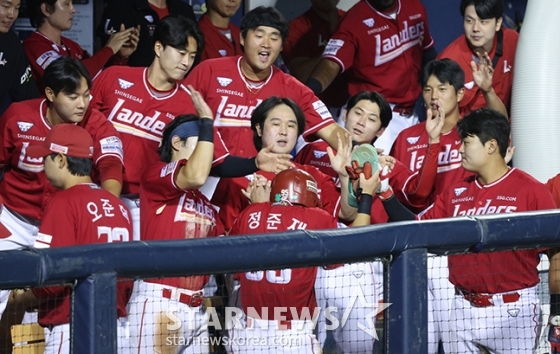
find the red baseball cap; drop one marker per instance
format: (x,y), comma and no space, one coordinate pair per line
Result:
(66,139)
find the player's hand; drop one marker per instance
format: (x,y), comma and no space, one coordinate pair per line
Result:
(434,121)
(387,161)
(118,39)
(131,44)
(272,162)
(342,157)
(483,73)
(509,153)
(202,108)
(370,185)
(554,339)
(261,193)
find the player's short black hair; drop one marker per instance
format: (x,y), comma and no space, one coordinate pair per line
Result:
(262,111)
(65,75)
(264,16)
(446,70)
(77,166)
(385,111)
(175,31)
(165,149)
(486,124)
(485,9)
(36,16)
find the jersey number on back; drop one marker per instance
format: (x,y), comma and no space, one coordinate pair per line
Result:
(117,234)
(272,276)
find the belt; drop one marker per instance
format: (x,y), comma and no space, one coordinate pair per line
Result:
(193,300)
(405,111)
(485,300)
(263,324)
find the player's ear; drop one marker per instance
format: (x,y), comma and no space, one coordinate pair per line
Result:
(258,128)
(379,132)
(460,94)
(492,147)
(241,39)
(158,48)
(176,143)
(45,9)
(49,94)
(498,23)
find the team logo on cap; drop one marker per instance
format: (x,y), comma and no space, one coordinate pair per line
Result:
(224,81)
(459,191)
(24,126)
(58,148)
(318,154)
(125,84)
(369,22)
(413,139)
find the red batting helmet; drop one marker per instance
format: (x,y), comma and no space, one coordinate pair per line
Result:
(295,186)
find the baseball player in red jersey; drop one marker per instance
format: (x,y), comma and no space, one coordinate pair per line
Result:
(495,307)
(234,86)
(51,18)
(484,34)
(443,87)
(294,204)
(25,124)
(278,122)
(173,208)
(302,50)
(221,36)
(82,213)
(397,33)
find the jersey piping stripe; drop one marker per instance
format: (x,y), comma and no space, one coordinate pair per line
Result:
(451,167)
(232,122)
(318,127)
(136,132)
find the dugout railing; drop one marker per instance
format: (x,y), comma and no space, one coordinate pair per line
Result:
(405,245)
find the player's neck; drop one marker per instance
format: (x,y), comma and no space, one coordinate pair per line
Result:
(72,180)
(53,117)
(158,80)
(492,171)
(218,20)
(253,75)
(52,33)
(451,121)
(159,3)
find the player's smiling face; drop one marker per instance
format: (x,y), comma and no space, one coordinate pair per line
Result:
(173,63)
(68,107)
(437,94)
(280,129)
(363,121)
(9,10)
(261,47)
(480,32)
(225,8)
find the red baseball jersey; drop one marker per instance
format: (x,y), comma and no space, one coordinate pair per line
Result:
(383,54)
(309,34)
(170,213)
(502,80)
(80,215)
(410,148)
(41,51)
(553,186)
(292,288)
(494,272)
(140,113)
(216,44)
(226,91)
(24,187)
(231,206)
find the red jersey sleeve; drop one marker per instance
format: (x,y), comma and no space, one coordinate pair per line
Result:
(160,184)
(553,186)
(328,193)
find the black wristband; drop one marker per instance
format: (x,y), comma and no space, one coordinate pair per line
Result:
(234,166)
(206,130)
(554,304)
(314,85)
(366,201)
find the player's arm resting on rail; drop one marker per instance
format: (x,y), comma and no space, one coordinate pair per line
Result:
(323,75)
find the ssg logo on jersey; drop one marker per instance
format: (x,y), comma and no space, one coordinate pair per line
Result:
(370,22)
(318,154)
(24,126)
(413,139)
(125,84)
(224,81)
(459,191)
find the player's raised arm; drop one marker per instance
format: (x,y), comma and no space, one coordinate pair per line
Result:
(483,74)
